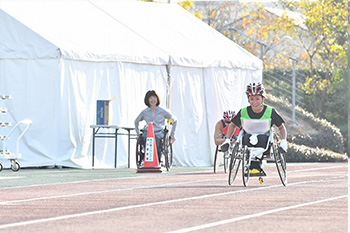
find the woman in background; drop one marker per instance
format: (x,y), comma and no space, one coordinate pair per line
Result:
(158,116)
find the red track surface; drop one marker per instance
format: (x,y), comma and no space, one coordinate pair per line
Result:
(315,200)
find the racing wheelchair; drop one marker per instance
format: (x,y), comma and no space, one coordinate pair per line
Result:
(226,157)
(164,150)
(243,155)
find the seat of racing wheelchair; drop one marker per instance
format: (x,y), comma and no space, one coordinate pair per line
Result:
(257,144)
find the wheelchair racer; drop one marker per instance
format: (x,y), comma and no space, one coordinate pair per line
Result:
(157,115)
(256,120)
(221,128)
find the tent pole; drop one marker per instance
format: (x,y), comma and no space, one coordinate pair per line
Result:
(209,144)
(168,84)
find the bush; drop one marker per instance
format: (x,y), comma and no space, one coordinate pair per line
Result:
(326,140)
(330,138)
(301,153)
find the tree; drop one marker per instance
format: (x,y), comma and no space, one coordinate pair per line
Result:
(187,5)
(276,32)
(220,15)
(251,26)
(325,35)
(325,42)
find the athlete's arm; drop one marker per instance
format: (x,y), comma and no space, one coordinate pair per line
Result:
(279,122)
(231,129)
(218,135)
(283,131)
(283,134)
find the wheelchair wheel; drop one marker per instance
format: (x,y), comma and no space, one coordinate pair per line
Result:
(15,166)
(245,166)
(215,159)
(226,161)
(168,152)
(234,164)
(170,155)
(280,164)
(140,154)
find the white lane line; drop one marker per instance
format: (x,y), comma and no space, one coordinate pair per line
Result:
(125,208)
(213,224)
(104,191)
(147,176)
(12,202)
(11,177)
(144,205)
(96,180)
(71,182)
(315,169)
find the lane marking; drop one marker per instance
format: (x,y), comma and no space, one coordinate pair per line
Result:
(314,169)
(147,176)
(150,204)
(104,191)
(96,180)
(213,224)
(11,177)
(71,182)
(125,189)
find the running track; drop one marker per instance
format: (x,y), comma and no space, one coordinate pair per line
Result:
(182,200)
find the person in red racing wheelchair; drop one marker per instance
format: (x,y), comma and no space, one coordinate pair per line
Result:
(221,128)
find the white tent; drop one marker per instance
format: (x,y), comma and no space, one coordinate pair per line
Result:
(58,57)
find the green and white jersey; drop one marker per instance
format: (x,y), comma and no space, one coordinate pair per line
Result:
(256,126)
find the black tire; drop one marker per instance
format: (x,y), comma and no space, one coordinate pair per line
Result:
(234,164)
(280,164)
(245,166)
(140,155)
(227,158)
(168,152)
(15,166)
(215,158)
(1,167)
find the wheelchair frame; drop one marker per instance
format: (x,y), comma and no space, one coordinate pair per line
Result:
(226,157)
(166,150)
(242,154)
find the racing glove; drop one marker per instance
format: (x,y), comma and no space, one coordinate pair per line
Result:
(234,137)
(225,145)
(284,145)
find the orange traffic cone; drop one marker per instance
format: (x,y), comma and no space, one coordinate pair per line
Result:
(151,163)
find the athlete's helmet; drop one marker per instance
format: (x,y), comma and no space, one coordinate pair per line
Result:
(255,89)
(229,115)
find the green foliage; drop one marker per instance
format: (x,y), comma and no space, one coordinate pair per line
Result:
(301,153)
(325,40)
(327,23)
(315,84)
(325,35)
(330,138)
(325,140)
(333,107)
(275,32)
(187,5)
